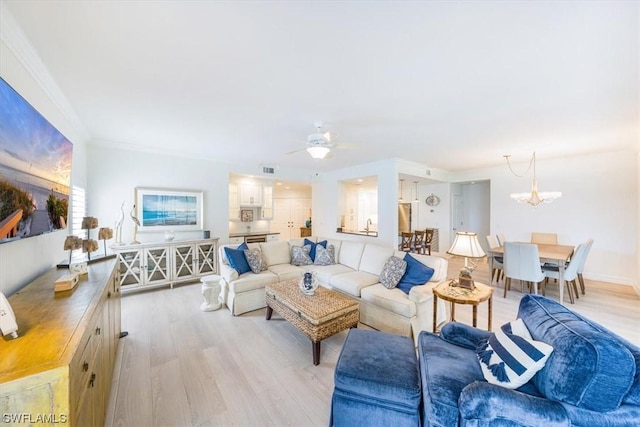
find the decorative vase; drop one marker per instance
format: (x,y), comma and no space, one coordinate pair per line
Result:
(308,283)
(308,223)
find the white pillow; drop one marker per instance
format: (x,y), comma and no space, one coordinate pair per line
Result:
(510,357)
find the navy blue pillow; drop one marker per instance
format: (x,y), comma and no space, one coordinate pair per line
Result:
(237,258)
(416,274)
(312,253)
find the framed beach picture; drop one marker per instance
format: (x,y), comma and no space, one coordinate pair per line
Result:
(163,210)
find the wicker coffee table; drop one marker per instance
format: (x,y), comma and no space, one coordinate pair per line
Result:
(318,316)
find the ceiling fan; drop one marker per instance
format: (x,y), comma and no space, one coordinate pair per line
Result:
(319,143)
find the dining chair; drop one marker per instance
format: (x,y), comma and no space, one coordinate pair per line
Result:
(501,239)
(418,241)
(570,272)
(544,238)
(588,245)
(522,262)
(428,238)
(405,241)
(498,261)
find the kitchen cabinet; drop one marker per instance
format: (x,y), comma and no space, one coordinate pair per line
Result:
(158,264)
(267,202)
(289,215)
(60,367)
(234,202)
(250,194)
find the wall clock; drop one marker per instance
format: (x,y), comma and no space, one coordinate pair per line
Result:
(433,200)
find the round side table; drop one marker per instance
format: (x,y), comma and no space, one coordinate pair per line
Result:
(211,292)
(458,295)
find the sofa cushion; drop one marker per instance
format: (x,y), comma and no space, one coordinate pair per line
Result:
(287,271)
(393,300)
(373,258)
(510,357)
(352,283)
(392,272)
(276,252)
(416,274)
(300,255)
(325,256)
(445,370)
(326,272)
(312,252)
(237,258)
(350,254)
(588,368)
(250,281)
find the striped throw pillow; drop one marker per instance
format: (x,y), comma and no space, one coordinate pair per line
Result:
(510,357)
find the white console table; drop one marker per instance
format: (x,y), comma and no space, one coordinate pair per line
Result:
(149,265)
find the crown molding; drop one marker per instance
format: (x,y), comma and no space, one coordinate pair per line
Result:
(17,42)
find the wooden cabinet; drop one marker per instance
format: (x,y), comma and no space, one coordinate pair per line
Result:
(267,202)
(250,194)
(158,264)
(59,369)
(234,202)
(305,231)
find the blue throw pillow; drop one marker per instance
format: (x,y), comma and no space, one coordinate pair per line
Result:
(237,258)
(312,254)
(416,274)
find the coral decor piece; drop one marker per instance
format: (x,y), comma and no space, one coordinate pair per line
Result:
(89,245)
(104,234)
(72,243)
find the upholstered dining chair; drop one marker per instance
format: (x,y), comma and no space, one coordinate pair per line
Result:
(498,261)
(501,239)
(428,238)
(544,238)
(588,245)
(418,241)
(406,239)
(522,262)
(570,272)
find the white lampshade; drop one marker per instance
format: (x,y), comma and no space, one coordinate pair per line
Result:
(318,152)
(466,244)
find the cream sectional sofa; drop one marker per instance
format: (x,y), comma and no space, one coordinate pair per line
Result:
(355,273)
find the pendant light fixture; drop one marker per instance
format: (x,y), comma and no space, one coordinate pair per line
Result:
(415,200)
(400,198)
(533,198)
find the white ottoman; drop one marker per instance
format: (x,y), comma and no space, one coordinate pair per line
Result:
(211,292)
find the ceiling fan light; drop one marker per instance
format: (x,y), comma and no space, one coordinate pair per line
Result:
(318,152)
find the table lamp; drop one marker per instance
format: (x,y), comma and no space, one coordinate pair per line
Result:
(466,244)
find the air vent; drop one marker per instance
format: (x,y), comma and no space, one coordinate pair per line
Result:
(268,169)
(428,172)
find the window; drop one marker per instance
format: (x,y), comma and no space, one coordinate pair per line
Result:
(79,211)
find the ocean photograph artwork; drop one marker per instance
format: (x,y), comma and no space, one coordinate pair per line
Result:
(35,170)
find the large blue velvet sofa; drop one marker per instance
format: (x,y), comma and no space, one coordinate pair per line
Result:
(591,378)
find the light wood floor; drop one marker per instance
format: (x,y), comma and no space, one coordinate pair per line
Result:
(180,366)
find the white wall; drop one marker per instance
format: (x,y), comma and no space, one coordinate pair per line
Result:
(22,261)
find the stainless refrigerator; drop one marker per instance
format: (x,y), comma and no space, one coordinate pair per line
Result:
(404,217)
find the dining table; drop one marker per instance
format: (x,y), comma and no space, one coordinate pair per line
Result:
(556,254)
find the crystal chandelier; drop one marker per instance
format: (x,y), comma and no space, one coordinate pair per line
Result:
(534,197)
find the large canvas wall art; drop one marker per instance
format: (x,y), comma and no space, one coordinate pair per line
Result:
(168,210)
(35,170)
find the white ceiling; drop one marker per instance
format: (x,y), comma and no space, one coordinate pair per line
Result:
(452,85)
